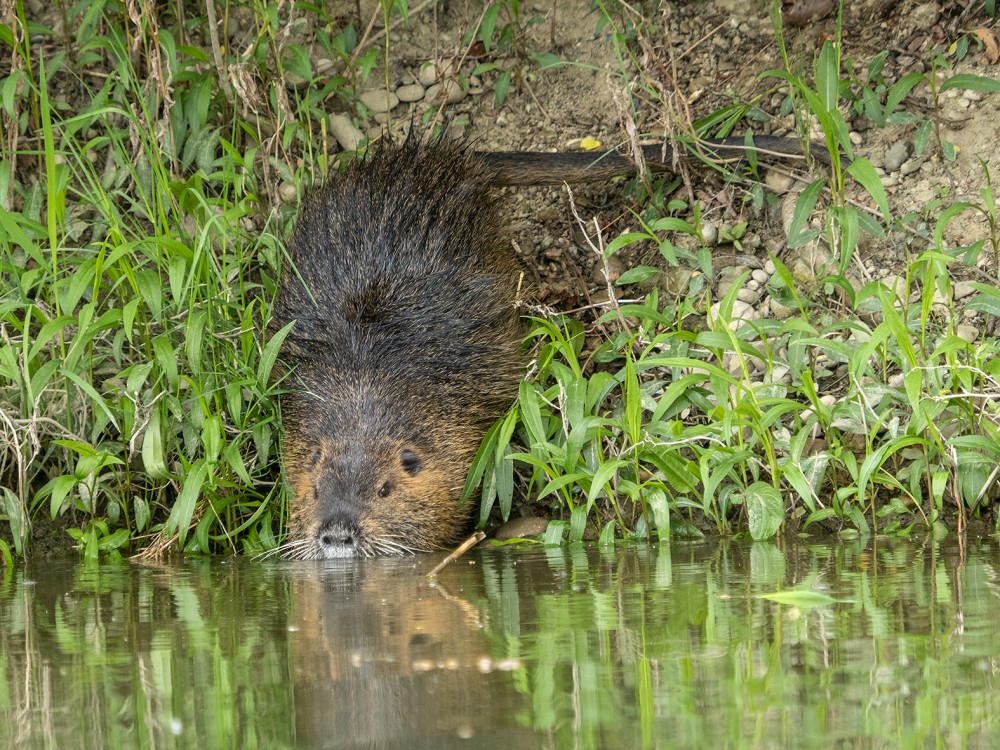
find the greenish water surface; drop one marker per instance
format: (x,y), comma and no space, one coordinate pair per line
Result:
(874,643)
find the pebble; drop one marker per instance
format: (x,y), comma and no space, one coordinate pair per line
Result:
(778,182)
(748,295)
(897,154)
(427,75)
(410,92)
(913,165)
(345,133)
(379,101)
(962,289)
(762,276)
(967,333)
(447,90)
(287,192)
(709,233)
(742,311)
(521,528)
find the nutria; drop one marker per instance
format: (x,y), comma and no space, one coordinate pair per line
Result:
(407,343)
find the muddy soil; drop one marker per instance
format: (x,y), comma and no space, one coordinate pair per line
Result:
(699,57)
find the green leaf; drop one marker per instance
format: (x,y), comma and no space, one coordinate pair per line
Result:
(971,82)
(765,509)
(501,87)
(863,171)
(803,208)
(800,599)
(181,514)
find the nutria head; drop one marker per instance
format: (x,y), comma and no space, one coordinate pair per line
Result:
(377,484)
(406,346)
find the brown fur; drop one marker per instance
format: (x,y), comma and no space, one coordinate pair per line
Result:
(406,347)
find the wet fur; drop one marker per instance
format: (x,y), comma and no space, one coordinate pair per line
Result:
(406,347)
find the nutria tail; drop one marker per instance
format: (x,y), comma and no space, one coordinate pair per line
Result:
(524,168)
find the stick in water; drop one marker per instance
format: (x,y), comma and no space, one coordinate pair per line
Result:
(464,547)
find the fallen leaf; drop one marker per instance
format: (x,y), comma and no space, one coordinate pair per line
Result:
(989,40)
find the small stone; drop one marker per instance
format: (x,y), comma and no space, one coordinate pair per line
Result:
(379,101)
(913,165)
(287,192)
(742,312)
(345,133)
(428,74)
(750,296)
(897,154)
(769,267)
(447,90)
(410,92)
(709,233)
(521,528)
(962,289)
(967,333)
(778,182)
(761,276)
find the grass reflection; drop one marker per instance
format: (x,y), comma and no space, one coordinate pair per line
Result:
(879,644)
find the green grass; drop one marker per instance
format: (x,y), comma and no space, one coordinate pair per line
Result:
(146,186)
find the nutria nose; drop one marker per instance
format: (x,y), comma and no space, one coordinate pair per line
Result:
(338,538)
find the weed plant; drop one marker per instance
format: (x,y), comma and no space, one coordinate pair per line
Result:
(151,165)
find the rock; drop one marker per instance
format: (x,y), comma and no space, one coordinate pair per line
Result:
(410,92)
(427,76)
(778,182)
(447,90)
(287,192)
(967,333)
(378,100)
(760,275)
(742,312)
(709,233)
(344,133)
(962,289)
(521,528)
(897,154)
(806,261)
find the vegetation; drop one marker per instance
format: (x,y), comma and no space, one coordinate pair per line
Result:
(150,168)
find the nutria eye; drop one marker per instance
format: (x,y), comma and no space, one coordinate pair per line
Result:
(384,490)
(411,463)
(315,457)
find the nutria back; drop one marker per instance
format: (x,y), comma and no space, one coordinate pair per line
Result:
(406,347)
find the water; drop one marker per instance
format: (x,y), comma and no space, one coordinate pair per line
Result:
(894,644)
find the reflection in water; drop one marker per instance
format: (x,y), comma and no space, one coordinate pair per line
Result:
(584,648)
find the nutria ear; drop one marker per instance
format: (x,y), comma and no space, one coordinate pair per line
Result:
(411,462)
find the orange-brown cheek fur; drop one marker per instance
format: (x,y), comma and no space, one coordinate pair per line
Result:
(421,512)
